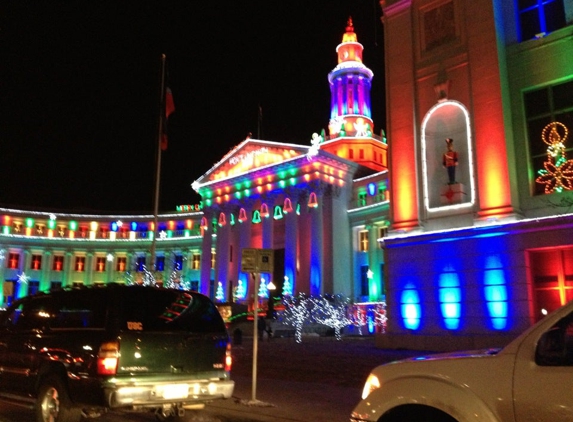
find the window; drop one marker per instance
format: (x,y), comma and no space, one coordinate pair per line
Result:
(363,241)
(121,263)
(80,264)
(542,107)
(36,262)
(213,259)
(552,275)
(351,154)
(540,17)
(100,264)
(364,284)
(160,263)
(194,285)
(13,261)
(439,26)
(361,154)
(178,262)
(55,285)
(362,199)
(58,263)
(196,264)
(382,232)
(140,263)
(33,287)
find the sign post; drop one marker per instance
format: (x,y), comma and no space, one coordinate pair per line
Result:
(255,261)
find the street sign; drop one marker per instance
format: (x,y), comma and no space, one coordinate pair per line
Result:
(249,260)
(257,260)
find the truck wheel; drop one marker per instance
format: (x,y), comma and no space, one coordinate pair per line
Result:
(53,403)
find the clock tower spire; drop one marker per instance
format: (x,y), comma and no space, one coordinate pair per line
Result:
(351,129)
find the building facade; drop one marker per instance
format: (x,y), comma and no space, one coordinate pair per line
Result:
(319,207)
(480,100)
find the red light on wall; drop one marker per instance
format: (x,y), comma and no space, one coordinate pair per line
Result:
(171,225)
(6,220)
(189,224)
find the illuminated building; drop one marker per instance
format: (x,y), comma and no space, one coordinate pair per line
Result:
(474,261)
(320,207)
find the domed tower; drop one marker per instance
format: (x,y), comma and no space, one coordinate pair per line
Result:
(351,129)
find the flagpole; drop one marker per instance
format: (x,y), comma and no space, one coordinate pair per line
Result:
(158,159)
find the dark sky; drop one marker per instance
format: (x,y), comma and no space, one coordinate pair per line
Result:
(79,83)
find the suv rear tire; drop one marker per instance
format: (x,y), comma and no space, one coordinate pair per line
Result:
(53,403)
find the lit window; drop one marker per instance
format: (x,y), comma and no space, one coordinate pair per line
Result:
(542,107)
(196,264)
(121,263)
(36,262)
(540,17)
(140,263)
(363,241)
(213,259)
(13,261)
(361,199)
(58,263)
(178,262)
(160,263)
(100,264)
(80,263)
(552,275)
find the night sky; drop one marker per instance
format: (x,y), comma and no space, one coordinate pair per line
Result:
(79,84)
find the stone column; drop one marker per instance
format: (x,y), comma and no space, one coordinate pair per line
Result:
(316,245)
(46,271)
(291,243)
(206,246)
(89,269)
(222,250)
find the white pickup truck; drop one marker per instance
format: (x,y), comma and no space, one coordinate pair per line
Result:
(531,379)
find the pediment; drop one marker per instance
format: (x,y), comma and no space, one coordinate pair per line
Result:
(250,155)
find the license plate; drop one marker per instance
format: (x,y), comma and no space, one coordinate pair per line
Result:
(176,391)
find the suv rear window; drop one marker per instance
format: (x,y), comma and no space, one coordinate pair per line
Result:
(153,309)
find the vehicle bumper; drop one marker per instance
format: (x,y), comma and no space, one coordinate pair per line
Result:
(159,393)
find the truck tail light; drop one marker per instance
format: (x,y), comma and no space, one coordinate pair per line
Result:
(107,358)
(228,358)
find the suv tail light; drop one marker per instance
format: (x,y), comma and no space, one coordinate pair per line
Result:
(107,358)
(228,358)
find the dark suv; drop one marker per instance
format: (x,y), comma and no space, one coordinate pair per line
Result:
(79,352)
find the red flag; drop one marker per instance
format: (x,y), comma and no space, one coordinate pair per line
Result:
(169,107)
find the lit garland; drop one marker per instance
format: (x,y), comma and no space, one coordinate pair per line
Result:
(557,173)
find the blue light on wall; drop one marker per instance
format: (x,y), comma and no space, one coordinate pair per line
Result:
(495,292)
(133,226)
(450,298)
(410,307)
(372,189)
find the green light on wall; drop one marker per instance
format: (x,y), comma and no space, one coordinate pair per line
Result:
(5,230)
(187,233)
(247,192)
(292,181)
(281,174)
(208,202)
(282,184)
(151,234)
(29,222)
(52,224)
(238,195)
(73,225)
(292,171)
